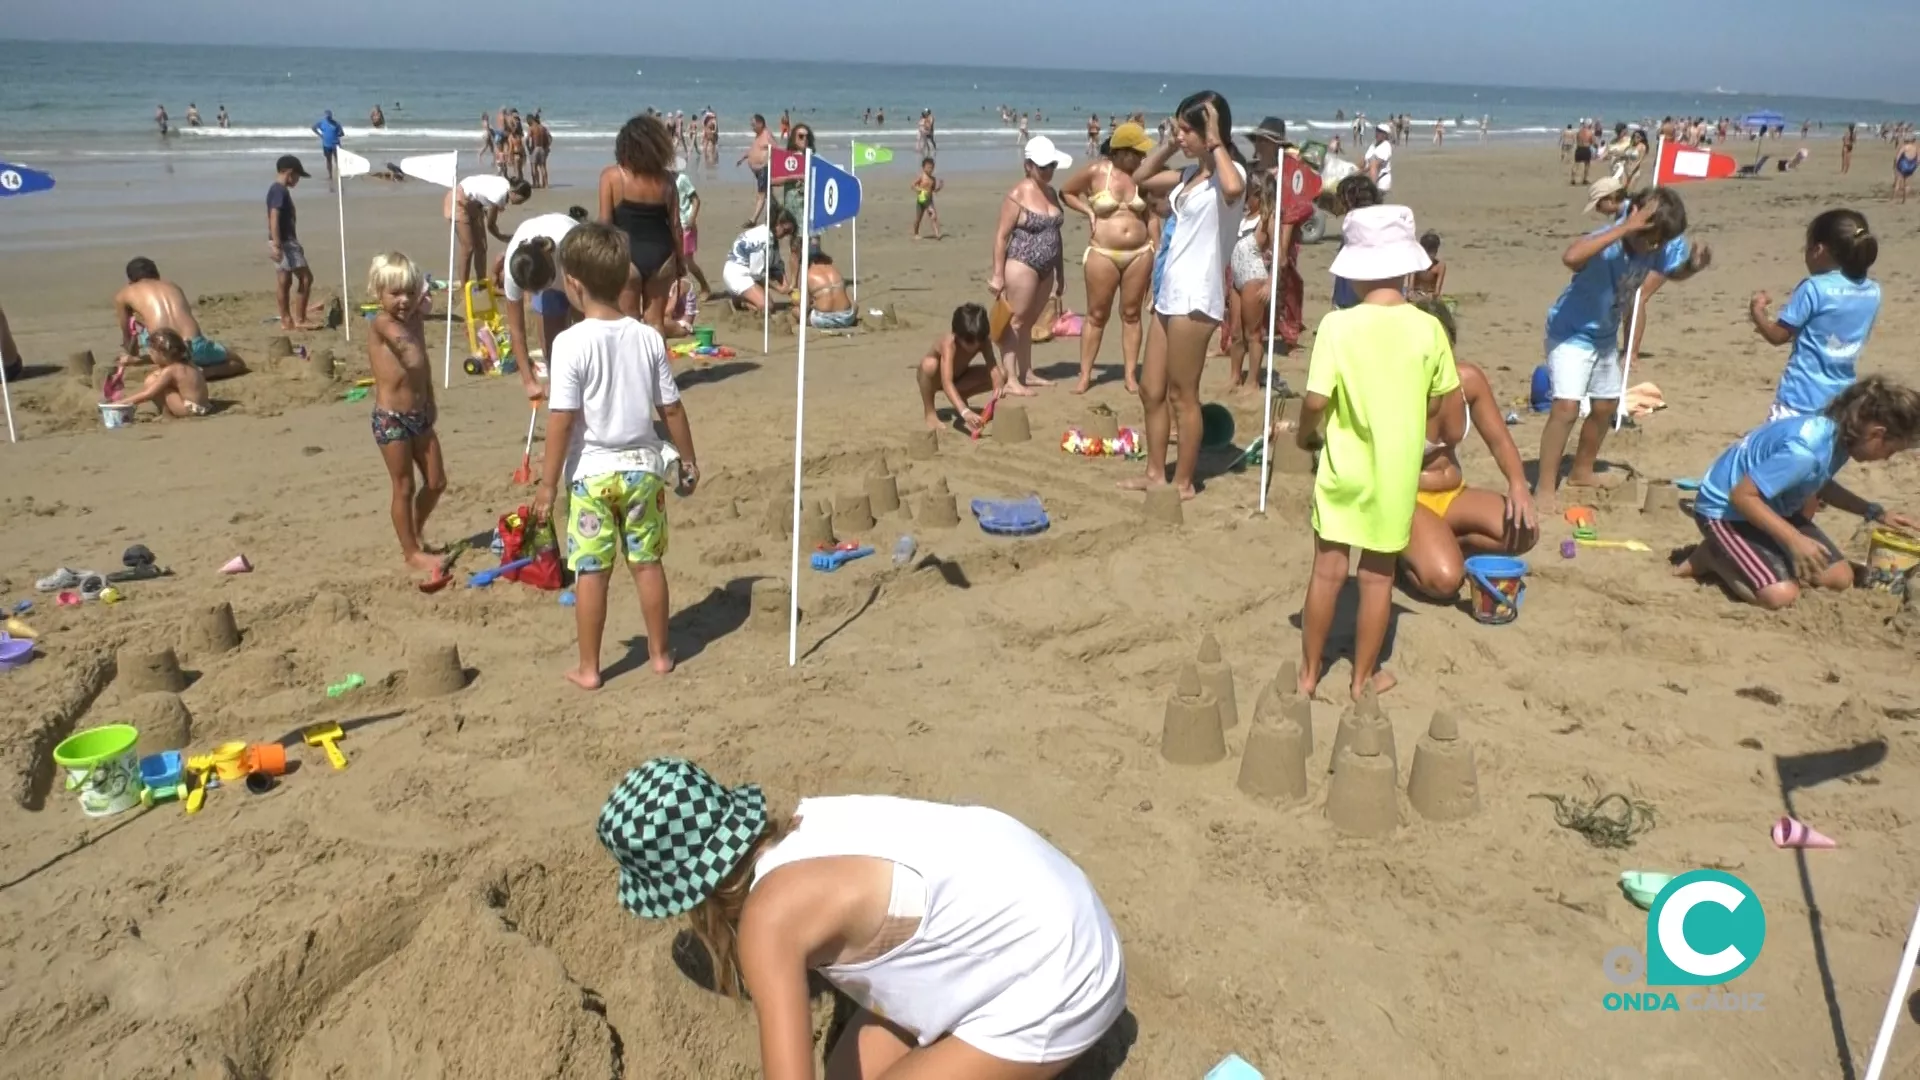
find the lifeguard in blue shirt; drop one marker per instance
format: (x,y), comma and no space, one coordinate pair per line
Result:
(330,133)
(1829,317)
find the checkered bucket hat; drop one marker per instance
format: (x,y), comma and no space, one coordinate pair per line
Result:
(677,833)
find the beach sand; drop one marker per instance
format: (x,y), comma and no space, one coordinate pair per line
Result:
(441,907)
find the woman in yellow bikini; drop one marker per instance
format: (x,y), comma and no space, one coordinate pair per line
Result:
(1452,520)
(1118,260)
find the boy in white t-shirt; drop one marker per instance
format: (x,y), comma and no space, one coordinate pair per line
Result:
(607,378)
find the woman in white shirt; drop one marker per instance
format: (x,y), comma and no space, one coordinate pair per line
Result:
(754,253)
(1190,278)
(975,949)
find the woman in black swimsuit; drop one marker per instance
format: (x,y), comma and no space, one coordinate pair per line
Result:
(637,196)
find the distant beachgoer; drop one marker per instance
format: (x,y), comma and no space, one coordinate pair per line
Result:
(193,115)
(689,198)
(1904,167)
(474,207)
(1439,134)
(516,166)
(786,125)
(403,406)
(1118,262)
(1379,160)
(176,387)
(639,196)
(928,145)
(376,118)
(330,133)
(1093,136)
(1566,143)
(755,159)
(539,146)
(925,187)
(879,118)
(1026,258)
(948,368)
(753,270)
(283,244)
(828,305)
(221,117)
(488,142)
(1846,150)
(149,303)
(1270,147)
(1582,156)
(793,193)
(1428,283)
(160,117)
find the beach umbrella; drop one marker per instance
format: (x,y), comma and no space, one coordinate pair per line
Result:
(347,163)
(1763,118)
(442,169)
(18,180)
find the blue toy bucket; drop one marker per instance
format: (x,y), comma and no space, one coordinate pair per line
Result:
(1498,584)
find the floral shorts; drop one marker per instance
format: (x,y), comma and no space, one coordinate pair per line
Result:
(615,509)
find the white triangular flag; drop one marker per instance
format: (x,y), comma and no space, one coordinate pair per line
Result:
(349,163)
(442,169)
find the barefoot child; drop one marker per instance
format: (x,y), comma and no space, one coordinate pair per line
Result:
(403,410)
(1433,280)
(1829,317)
(924,186)
(1381,370)
(974,948)
(1756,538)
(175,387)
(948,367)
(609,376)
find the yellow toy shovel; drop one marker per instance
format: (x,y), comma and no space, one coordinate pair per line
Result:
(1630,545)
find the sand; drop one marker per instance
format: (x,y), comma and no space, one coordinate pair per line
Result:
(441,907)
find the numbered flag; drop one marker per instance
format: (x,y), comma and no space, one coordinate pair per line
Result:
(442,169)
(787,165)
(1679,164)
(20,180)
(1299,186)
(869,154)
(836,195)
(351,164)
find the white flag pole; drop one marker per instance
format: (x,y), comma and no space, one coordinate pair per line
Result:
(799,414)
(446,364)
(346,311)
(1903,978)
(1273,308)
(7,394)
(853,166)
(766,283)
(1633,321)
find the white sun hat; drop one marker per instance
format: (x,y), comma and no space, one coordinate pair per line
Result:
(1042,152)
(1380,243)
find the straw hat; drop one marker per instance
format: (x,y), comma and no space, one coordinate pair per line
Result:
(1381,243)
(1604,188)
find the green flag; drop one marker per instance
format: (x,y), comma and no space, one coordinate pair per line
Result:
(869,154)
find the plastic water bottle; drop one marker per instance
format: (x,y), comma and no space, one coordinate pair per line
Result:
(903,550)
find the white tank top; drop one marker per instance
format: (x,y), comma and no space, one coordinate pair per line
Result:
(1193,276)
(1010,925)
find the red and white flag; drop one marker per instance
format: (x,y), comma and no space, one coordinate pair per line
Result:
(1680,164)
(787,165)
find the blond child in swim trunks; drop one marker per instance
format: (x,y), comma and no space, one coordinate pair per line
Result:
(608,378)
(948,367)
(924,187)
(175,387)
(403,409)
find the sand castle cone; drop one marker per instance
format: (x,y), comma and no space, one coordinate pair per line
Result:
(1793,833)
(162,720)
(769,606)
(320,364)
(1191,734)
(1444,785)
(816,529)
(328,610)
(1217,676)
(852,515)
(280,348)
(1661,497)
(80,365)
(1287,455)
(436,671)
(213,630)
(237,565)
(139,671)
(1363,714)
(778,518)
(1010,424)
(923,445)
(938,508)
(1274,765)
(883,490)
(1362,799)
(1163,506)
(1103,425)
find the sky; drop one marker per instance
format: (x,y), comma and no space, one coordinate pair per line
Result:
(1853,48)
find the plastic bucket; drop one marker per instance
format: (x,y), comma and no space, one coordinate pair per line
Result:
(1890,557)
(230,761)
(102,767)
(703,337)
(268,758)
(1216,426)
(1497,583)
(115,415)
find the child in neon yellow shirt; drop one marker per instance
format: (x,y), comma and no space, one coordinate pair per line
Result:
(1380,370)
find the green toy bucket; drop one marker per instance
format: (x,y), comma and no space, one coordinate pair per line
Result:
(102,766)
(703,337)
(1216,426)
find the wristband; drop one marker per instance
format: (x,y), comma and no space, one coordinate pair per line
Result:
(1875,512)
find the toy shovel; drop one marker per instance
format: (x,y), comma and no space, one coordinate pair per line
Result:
(327,736)
(1630,545)
(524,474)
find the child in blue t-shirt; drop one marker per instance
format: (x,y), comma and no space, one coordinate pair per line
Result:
(1583,328)
(1757,539)
(1828,318)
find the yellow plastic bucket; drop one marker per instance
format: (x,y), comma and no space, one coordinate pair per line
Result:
(1890,557)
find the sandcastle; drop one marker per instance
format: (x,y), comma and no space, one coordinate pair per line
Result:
(80,365)
(142,672)
(1287,455)
(769,605)
(1659,497)
(816,527)
(435,671)
(1191,734)
(1217,676)
(1164,505)
(852,515)
(1363,798)
(883,490)
(1010,424)
(923,445)
(280,348)
(1445,786)
(213,630)
(162,719)
(320,365)
(1274,765)
(1102,424)
(938,508)
(777,519)
(1364,715)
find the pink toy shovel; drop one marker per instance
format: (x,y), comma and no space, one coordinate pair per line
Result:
(1791,833)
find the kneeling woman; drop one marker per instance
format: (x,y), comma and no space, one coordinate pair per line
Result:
(754,257)
(974,948)
(1451,520)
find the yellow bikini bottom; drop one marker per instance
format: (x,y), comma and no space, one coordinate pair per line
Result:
(1121,258)
(1438,501)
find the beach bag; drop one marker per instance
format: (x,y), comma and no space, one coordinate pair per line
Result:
(520,538)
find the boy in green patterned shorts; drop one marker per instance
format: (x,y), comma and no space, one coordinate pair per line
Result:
(608,377)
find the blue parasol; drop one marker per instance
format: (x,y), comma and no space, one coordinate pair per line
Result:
(1764,118)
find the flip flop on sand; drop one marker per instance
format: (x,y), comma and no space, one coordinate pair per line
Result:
(57,581)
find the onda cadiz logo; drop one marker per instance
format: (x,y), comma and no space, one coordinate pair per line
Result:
(1704,929)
